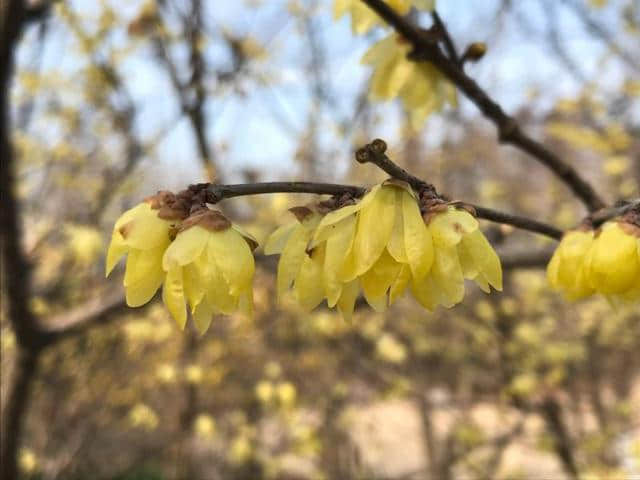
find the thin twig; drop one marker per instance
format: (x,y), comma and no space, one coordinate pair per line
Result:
(425,48)
(449,46)
(220,192)
(523,223)
(217,193)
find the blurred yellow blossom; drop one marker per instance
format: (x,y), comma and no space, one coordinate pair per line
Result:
(143,416)
(363,18)
(420,86)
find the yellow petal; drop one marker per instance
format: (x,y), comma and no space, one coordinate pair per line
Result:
(245,303)
(141,228)
(417,238)
(233,257)
(186,247)
(203,316)
(396,242)
(337,247)
(447,228)
(428,293)
(347,300)
(194,285)
(173,296)
(139,293)
(377,280)
(308,288)
(143,264)
(323,231)
(399,284)
(447,274)
(278,239)
(613,261)
(116,250)
(293,255)
(484,257)
(375,223)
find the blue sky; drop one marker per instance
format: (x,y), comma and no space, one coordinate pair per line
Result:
(260,129)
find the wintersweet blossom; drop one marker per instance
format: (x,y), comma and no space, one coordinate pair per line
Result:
(210,267)
(143,233)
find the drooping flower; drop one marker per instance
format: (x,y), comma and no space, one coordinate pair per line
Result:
(422,88)
(210,267)
(373,245)
(567,271)
(460,251)
(143,233)
(363,18)
(613,261)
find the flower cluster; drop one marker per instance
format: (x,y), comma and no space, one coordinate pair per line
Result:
(364,19)
(383,245)
(605,261)
(420,86)
(200,258)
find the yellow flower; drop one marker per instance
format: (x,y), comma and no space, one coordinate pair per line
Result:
(613,262)
(143,233)
(566,271)
(421,86)
(210,266)
(363,18)
(375,244)
(460,251)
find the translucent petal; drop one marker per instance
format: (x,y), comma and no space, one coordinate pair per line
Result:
(340,7)
(233,257)
(173,296)
(186,247)
(278,239)
(323,231)
(139,293)
(377,280)
(399,284)
(117,249)
(292,257)
(613,260)
(447,228)
(245,303)
(142,264)
(447,274)
(141,228)
(484,257)
(250,239)
(417,238)
(375,223)
(203,316)
(396,242)
(217,294)
(428,293)
(347,300)
(338,246)
(381,51)
(194,285)
(307,288)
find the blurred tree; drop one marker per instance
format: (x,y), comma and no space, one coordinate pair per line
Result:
(106,102)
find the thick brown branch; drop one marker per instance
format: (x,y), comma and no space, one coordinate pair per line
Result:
(425,48)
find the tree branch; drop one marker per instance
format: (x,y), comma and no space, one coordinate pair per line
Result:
(425,48)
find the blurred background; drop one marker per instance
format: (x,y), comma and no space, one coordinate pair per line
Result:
(113,100)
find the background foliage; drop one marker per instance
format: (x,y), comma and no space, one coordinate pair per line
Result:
(113,100)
